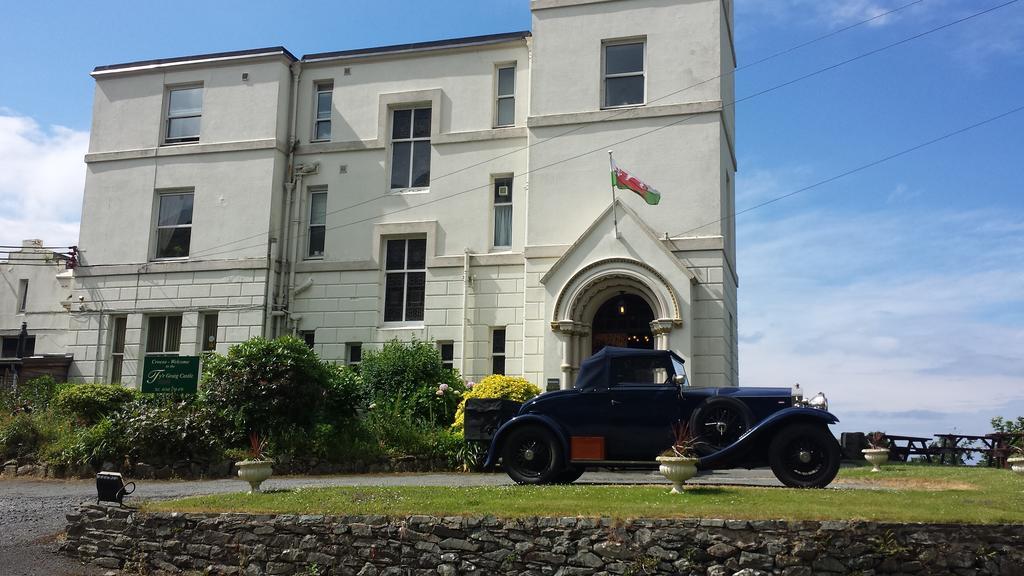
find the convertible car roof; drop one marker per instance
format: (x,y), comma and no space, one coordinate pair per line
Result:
(593,369)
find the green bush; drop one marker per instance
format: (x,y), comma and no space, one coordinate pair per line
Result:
(269,386)
(399,434)
(89,403)
(35,392)
(102,442)
(160,430)
(496,386)
(408,378)
(20,436)
(341,395)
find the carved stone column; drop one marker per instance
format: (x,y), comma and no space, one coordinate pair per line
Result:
(661,329)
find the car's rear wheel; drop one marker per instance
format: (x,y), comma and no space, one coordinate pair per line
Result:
(532,455)
(718,423)
(570,475)
(804,456)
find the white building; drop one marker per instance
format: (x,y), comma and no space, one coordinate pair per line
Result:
(35,287)
(456,191)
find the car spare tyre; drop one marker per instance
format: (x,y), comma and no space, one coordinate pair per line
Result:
(532,455)
(804,456)
(717,423)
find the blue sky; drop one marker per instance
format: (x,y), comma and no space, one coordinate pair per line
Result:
(899,291)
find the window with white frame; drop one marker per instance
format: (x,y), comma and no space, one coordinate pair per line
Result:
(354,353)
(322,117)
(317,223)
(184,114)
(505,96)
(410,148)
(498,351)
(23,295)
(503,212)
(405,279)
(163,335)
(447,350)
(120,328)
(174,225)
(623,73)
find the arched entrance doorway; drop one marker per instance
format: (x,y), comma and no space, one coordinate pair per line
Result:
(623,320)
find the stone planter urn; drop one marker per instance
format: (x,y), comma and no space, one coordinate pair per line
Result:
(1016,463)
(877,457)
(677,470)
(255,472)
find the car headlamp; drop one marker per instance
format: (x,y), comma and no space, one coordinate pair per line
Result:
(819,401)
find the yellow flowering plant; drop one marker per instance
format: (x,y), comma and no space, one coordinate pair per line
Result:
(495,386)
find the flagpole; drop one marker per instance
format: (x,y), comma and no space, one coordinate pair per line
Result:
(615,217)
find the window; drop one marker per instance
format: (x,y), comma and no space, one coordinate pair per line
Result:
(209,332)
(22,294)
(317,224)
(503,212)
(410,148)
(184,113)
(642,371)
(163,335)
(623,74)
(309,337)
(447,350)
(10,347)
(322,119)
(505,106)
(498,351)
(174,225)
(405,280)
(117,349)
(354,355)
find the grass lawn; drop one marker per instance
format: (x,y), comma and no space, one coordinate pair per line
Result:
(907,493)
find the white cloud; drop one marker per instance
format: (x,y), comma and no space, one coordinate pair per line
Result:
(886,312)
(41,180)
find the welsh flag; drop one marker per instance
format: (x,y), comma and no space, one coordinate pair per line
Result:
(626,181)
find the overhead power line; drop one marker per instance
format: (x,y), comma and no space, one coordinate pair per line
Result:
(860,168)
(614,115)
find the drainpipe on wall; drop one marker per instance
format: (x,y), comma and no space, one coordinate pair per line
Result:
(466,283)
(289,187)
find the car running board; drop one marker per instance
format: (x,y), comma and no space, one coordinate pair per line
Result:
(614,462)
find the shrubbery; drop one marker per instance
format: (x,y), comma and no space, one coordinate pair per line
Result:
(267,385)
(400,403)
(496,386)
(88,403)
(408,378)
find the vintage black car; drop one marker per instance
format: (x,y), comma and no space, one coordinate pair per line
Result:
(621,412)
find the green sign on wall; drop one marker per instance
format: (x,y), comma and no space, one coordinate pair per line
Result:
(170,374)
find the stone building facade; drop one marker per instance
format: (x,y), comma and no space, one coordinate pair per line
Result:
(455,191)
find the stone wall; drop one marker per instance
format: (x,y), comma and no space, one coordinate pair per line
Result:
(375,545)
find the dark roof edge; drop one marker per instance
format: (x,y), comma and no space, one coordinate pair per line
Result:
(212,56)
(416,46)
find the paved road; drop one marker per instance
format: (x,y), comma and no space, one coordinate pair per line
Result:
(32,511)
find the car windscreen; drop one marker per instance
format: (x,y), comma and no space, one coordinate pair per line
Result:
(642,371)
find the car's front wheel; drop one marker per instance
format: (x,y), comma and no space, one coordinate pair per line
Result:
(532,455)
(804,456)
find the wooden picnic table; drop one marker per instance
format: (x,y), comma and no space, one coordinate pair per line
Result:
(995,447)
(1003,445)
(912,445)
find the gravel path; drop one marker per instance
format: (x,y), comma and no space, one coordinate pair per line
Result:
(32,510)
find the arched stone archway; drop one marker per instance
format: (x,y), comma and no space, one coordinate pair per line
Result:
(592,287)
